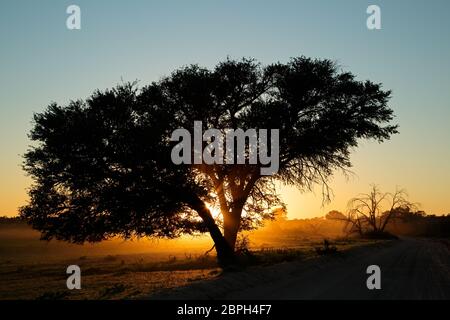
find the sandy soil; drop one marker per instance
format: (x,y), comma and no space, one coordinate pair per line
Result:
(410,269)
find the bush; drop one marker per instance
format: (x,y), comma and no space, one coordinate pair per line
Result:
(326,248)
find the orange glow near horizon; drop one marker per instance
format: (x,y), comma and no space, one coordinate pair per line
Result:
(368,170)
(299,204)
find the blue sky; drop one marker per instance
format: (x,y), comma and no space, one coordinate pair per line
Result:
(42,61)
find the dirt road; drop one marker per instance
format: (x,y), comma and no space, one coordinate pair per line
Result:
(410,269)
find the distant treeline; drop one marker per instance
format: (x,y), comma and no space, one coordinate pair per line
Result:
(11,220)
(404,223)
(420,224)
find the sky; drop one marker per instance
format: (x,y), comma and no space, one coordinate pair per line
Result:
(42,61)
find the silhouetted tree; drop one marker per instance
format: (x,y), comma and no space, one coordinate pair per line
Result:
(102,167)
(371,212)
(335,215)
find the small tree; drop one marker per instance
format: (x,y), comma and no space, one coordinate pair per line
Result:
(102,167)
(371,212)
(335,215)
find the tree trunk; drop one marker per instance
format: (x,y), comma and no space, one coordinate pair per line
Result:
(231,224)
(225,253)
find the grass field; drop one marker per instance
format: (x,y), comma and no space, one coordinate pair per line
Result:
(116,269)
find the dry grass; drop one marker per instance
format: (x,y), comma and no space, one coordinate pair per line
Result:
(30,269)
(102,278)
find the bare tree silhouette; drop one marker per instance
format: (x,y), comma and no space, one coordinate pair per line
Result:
(371,212)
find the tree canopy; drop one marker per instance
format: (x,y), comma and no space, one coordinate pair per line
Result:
(102,166)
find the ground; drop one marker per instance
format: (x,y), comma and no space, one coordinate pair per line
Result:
(282,266)
(33,269)
(410,269)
